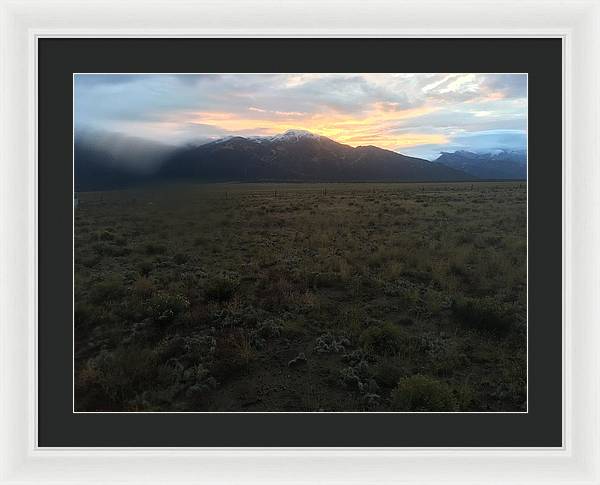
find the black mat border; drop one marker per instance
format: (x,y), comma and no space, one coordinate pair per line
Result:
(59,58)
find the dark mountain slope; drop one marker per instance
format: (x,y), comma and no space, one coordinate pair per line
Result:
(502,164)
(299,156)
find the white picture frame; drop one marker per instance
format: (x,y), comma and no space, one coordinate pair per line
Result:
(576,22)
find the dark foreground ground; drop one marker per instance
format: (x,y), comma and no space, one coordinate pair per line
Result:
(302,297)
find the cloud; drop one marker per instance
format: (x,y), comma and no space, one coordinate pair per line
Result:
(132,153)
(470,87)
(509,85)
(400,111)
(491,140)
(478,141)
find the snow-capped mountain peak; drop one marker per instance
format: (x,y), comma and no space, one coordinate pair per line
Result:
(288,136)
(294,135)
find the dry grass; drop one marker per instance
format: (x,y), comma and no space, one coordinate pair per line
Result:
(441,267)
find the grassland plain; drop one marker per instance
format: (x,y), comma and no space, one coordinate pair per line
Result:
(302,297)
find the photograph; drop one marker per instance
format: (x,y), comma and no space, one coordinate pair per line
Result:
(300,242)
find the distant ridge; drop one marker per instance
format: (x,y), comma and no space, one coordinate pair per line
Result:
(499,164)
(294,156)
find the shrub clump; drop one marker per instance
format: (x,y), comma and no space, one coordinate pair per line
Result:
(166,307)
(422,393)
(328,343)
(221,288)
(356,377)
(484,314)
(201,383)
(385,339)
(387,375)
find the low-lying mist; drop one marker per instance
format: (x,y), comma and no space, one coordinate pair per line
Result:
(126,153)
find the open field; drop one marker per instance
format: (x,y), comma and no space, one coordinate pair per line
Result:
(302,297)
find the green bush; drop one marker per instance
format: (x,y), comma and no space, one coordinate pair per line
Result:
(221,288)
(166,307)
(385,339)
(422,393)
(484,314)
(387,375)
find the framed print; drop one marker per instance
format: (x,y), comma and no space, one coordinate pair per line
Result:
(316,249)
(250,253)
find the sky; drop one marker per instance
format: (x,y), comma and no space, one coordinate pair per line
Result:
(415,114)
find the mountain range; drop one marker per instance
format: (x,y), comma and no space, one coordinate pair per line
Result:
(499,164)
(294,156)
